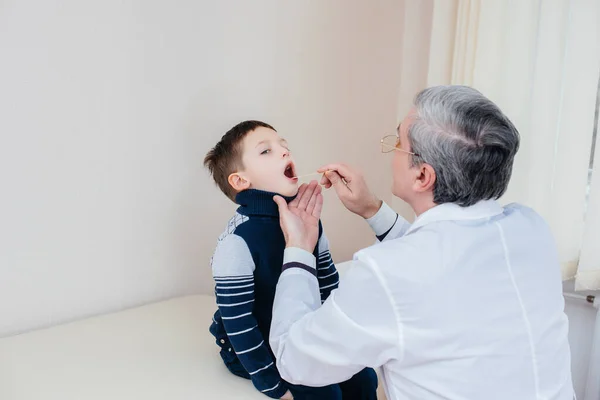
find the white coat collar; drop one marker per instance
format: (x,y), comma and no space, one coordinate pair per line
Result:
(453,212)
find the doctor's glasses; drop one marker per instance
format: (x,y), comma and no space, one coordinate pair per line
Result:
(390,143)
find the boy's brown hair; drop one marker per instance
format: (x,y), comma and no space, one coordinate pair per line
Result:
(226,157)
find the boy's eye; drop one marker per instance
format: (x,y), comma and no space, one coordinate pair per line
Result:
(267,151)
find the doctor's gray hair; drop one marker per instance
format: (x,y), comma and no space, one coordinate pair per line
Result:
(467,140)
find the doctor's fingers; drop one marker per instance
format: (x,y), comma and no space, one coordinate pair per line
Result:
(312,203)
(307,195)
(346,172)
(301,190)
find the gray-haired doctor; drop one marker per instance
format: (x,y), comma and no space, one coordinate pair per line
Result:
(465,303)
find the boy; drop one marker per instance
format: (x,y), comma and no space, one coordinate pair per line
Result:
(250,165)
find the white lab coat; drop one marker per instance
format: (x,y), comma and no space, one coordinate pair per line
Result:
(466,303)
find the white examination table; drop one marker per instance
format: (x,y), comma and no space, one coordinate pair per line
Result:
(158,351)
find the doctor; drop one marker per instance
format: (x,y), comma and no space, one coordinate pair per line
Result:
(465,303)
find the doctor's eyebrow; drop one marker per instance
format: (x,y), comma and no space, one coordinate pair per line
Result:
(398,134)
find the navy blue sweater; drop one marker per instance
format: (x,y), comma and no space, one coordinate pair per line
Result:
(246,267)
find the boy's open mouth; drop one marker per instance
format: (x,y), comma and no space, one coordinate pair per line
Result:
(290,172)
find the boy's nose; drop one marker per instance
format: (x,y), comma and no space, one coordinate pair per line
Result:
(286,153)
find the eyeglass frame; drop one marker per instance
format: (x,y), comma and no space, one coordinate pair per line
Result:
(392,148)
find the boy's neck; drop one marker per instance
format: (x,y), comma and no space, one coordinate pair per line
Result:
(258,202)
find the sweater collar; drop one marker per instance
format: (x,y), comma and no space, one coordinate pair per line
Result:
(258,202)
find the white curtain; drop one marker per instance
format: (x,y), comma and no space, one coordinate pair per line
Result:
(540,62)
(588,274)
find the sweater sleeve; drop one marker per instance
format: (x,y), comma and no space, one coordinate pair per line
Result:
(326,272)
(233,271)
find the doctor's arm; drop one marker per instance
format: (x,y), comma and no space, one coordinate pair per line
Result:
(316,344)
(388,224)
(352,190)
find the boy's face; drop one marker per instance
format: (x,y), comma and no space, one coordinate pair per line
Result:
(268,164)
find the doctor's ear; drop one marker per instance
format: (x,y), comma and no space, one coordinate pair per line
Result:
(238,182)
(425,178)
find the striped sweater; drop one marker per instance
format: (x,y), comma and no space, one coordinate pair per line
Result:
(246,266)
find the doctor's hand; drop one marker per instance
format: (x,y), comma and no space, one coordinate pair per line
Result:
(299,220)
(351,189)
(287,396)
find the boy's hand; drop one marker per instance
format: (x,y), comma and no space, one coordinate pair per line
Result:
(299,220)
(287,396)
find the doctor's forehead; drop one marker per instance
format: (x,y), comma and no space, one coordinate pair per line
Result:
(408,120)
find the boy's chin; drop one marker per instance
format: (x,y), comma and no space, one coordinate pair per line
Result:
(289,190)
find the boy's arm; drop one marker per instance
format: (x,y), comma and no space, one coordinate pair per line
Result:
(326,272)
(233,271)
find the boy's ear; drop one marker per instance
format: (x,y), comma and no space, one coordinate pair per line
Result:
(238,182)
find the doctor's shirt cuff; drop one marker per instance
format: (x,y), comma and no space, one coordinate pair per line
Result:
(294,257)
(384,220)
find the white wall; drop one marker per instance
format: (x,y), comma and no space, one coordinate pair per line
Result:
(108,107)
(585,345)
(581,331)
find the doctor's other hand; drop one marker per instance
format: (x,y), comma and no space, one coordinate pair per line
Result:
(299,219)
(351,188)
(287,396)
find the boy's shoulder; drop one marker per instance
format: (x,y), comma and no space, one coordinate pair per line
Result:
(232,225)
(250,230)
(231,256)
(244,230)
